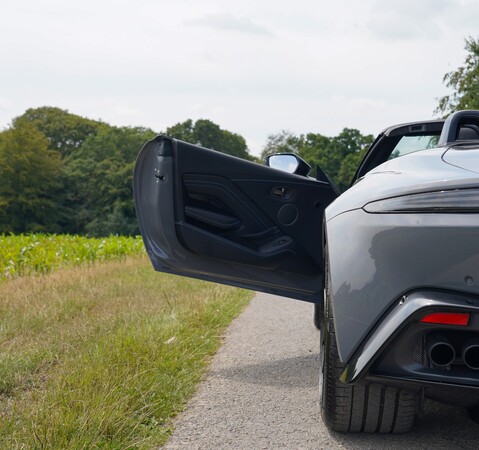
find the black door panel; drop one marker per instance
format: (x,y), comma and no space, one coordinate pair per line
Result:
(269,255)
(208,215)
(219,195)
(308,198)
(211,218)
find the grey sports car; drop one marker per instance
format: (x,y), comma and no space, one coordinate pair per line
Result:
(392,264)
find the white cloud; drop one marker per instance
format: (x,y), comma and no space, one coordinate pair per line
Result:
(228,22)
(4,104)
(465,14)
(407,19)
(252,67)
(363,105)
(126,112)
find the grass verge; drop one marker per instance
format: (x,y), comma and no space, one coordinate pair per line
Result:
(104,356)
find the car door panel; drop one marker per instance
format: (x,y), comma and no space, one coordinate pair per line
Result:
(208,215)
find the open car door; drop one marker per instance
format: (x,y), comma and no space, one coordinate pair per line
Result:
(208,215)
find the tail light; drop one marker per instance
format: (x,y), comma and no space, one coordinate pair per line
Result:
(452,201)
(447,318)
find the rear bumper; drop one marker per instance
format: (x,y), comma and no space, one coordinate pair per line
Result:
(375,259)
(393,350)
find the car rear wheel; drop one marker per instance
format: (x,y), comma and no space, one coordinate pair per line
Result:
(362,407)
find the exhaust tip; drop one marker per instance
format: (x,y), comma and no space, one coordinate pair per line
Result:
(440,351)
(470,355)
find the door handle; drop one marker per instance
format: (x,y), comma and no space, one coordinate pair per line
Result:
(281,192)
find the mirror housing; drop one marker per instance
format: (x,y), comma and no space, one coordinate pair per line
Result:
(288,162)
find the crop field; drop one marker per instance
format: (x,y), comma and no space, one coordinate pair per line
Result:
(36,253)
(101,355)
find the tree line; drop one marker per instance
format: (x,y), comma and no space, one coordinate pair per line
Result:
(62,173)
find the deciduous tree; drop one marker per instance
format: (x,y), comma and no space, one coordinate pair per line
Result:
(65,132)
(283,142)
(100,175)
(208,134)
(338,156)
(464,81)
(30,182)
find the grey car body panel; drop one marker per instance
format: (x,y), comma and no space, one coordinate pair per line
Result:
(424,171)
(376,258)
(383,256)
(463,157)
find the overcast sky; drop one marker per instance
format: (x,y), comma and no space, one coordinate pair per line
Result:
(253,67)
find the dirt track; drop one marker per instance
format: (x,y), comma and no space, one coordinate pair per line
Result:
(262,393)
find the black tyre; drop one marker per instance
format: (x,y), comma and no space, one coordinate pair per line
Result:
(318,315)
(362,407)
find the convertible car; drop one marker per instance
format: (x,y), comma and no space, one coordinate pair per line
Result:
(391,265)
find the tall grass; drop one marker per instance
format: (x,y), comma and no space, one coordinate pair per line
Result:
(38,253)
(104,356)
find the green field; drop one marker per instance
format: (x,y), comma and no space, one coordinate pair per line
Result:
(39,253)
(104,355)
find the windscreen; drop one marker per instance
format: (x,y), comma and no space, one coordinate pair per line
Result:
(411,144)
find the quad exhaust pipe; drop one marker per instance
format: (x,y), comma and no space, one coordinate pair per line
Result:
(441,353)
(440,350)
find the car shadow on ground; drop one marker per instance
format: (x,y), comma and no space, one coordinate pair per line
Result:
(296,372)
(441,426)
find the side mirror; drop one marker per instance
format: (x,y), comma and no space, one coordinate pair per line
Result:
(288,162)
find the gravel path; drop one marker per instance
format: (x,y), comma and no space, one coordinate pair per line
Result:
(262,393)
